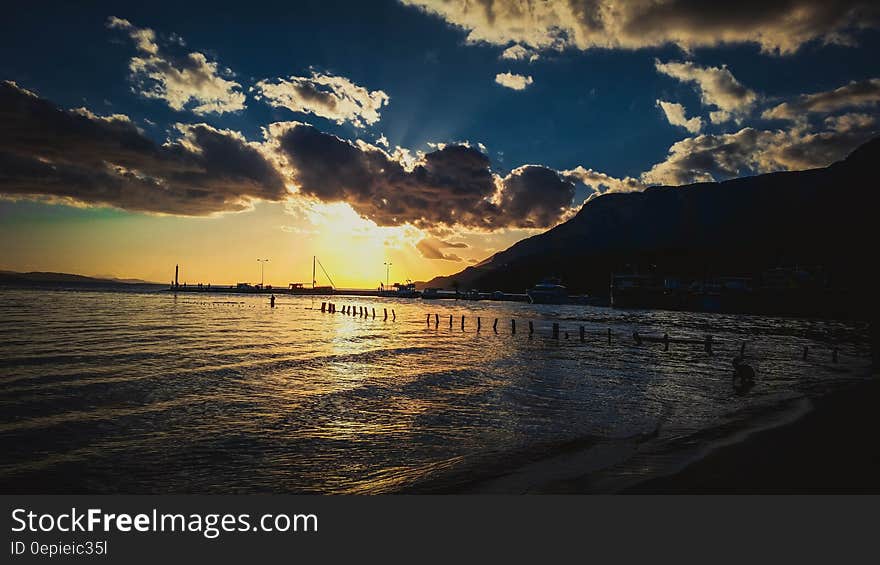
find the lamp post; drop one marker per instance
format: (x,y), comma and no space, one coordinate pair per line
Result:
(262,263)
(387,272)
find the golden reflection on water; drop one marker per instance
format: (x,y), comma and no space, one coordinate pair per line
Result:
(152,392)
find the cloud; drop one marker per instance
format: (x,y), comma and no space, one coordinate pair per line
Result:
(856,94)
(533,196)
(513,81)
(144,38)
(851,122)
(333,97)
(716,85)
(451,185)
(74,156)
(707,158)
(183,82)
(601,183)
(520,53)
(777,27)
(675,114)
(432,249)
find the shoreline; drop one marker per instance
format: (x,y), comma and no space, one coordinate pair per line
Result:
(807,445)
(831,449)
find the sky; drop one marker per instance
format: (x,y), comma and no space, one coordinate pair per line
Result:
(428,134)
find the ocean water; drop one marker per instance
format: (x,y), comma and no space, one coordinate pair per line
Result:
(144,391)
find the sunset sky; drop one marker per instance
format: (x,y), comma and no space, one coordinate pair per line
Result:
(427,133)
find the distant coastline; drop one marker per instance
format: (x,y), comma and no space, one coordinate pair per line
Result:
(52,278)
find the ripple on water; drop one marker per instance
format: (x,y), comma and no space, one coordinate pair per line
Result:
(148,392)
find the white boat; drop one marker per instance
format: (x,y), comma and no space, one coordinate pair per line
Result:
(548,291)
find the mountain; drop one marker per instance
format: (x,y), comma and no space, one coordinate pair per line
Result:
(823,218)
(40,277)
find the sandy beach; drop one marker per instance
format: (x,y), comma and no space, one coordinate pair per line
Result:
(832,449)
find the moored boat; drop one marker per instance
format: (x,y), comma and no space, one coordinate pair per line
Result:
(548,291)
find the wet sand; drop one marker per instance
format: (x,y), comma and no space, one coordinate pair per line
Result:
(832,449)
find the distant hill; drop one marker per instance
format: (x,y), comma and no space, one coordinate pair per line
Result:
(41,277)
(821,217)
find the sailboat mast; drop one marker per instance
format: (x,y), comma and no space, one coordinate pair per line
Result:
(314,259)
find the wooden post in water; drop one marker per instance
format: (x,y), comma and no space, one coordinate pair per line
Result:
(393,315)
(512,326)
(386,313)
(555,330)
(665,342)
(428,320)
(462,322)
(323,306)
(495,326)
(436,320)
(531,328)
(478,323)
(609,336)
(450,321)
(374,313)
(708,345)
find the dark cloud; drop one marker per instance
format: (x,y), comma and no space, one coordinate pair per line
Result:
(453,244)
(536,196)
(432,249)
(76,156)
(453,185)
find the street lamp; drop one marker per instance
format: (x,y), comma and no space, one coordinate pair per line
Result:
(387,272)
(262,266)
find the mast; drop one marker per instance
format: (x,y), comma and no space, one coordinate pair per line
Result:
(314,259)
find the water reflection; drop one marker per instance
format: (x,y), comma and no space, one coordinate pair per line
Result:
(151,392)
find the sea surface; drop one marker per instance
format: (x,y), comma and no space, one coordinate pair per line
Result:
(139,390)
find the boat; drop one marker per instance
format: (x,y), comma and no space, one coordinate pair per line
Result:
(431,293)
(472,294)
(548,291)
(301,288)
(400,290)
(641,291)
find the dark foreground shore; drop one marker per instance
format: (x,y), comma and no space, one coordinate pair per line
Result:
(832,449)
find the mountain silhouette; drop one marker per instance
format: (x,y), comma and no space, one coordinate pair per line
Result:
(819,218)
